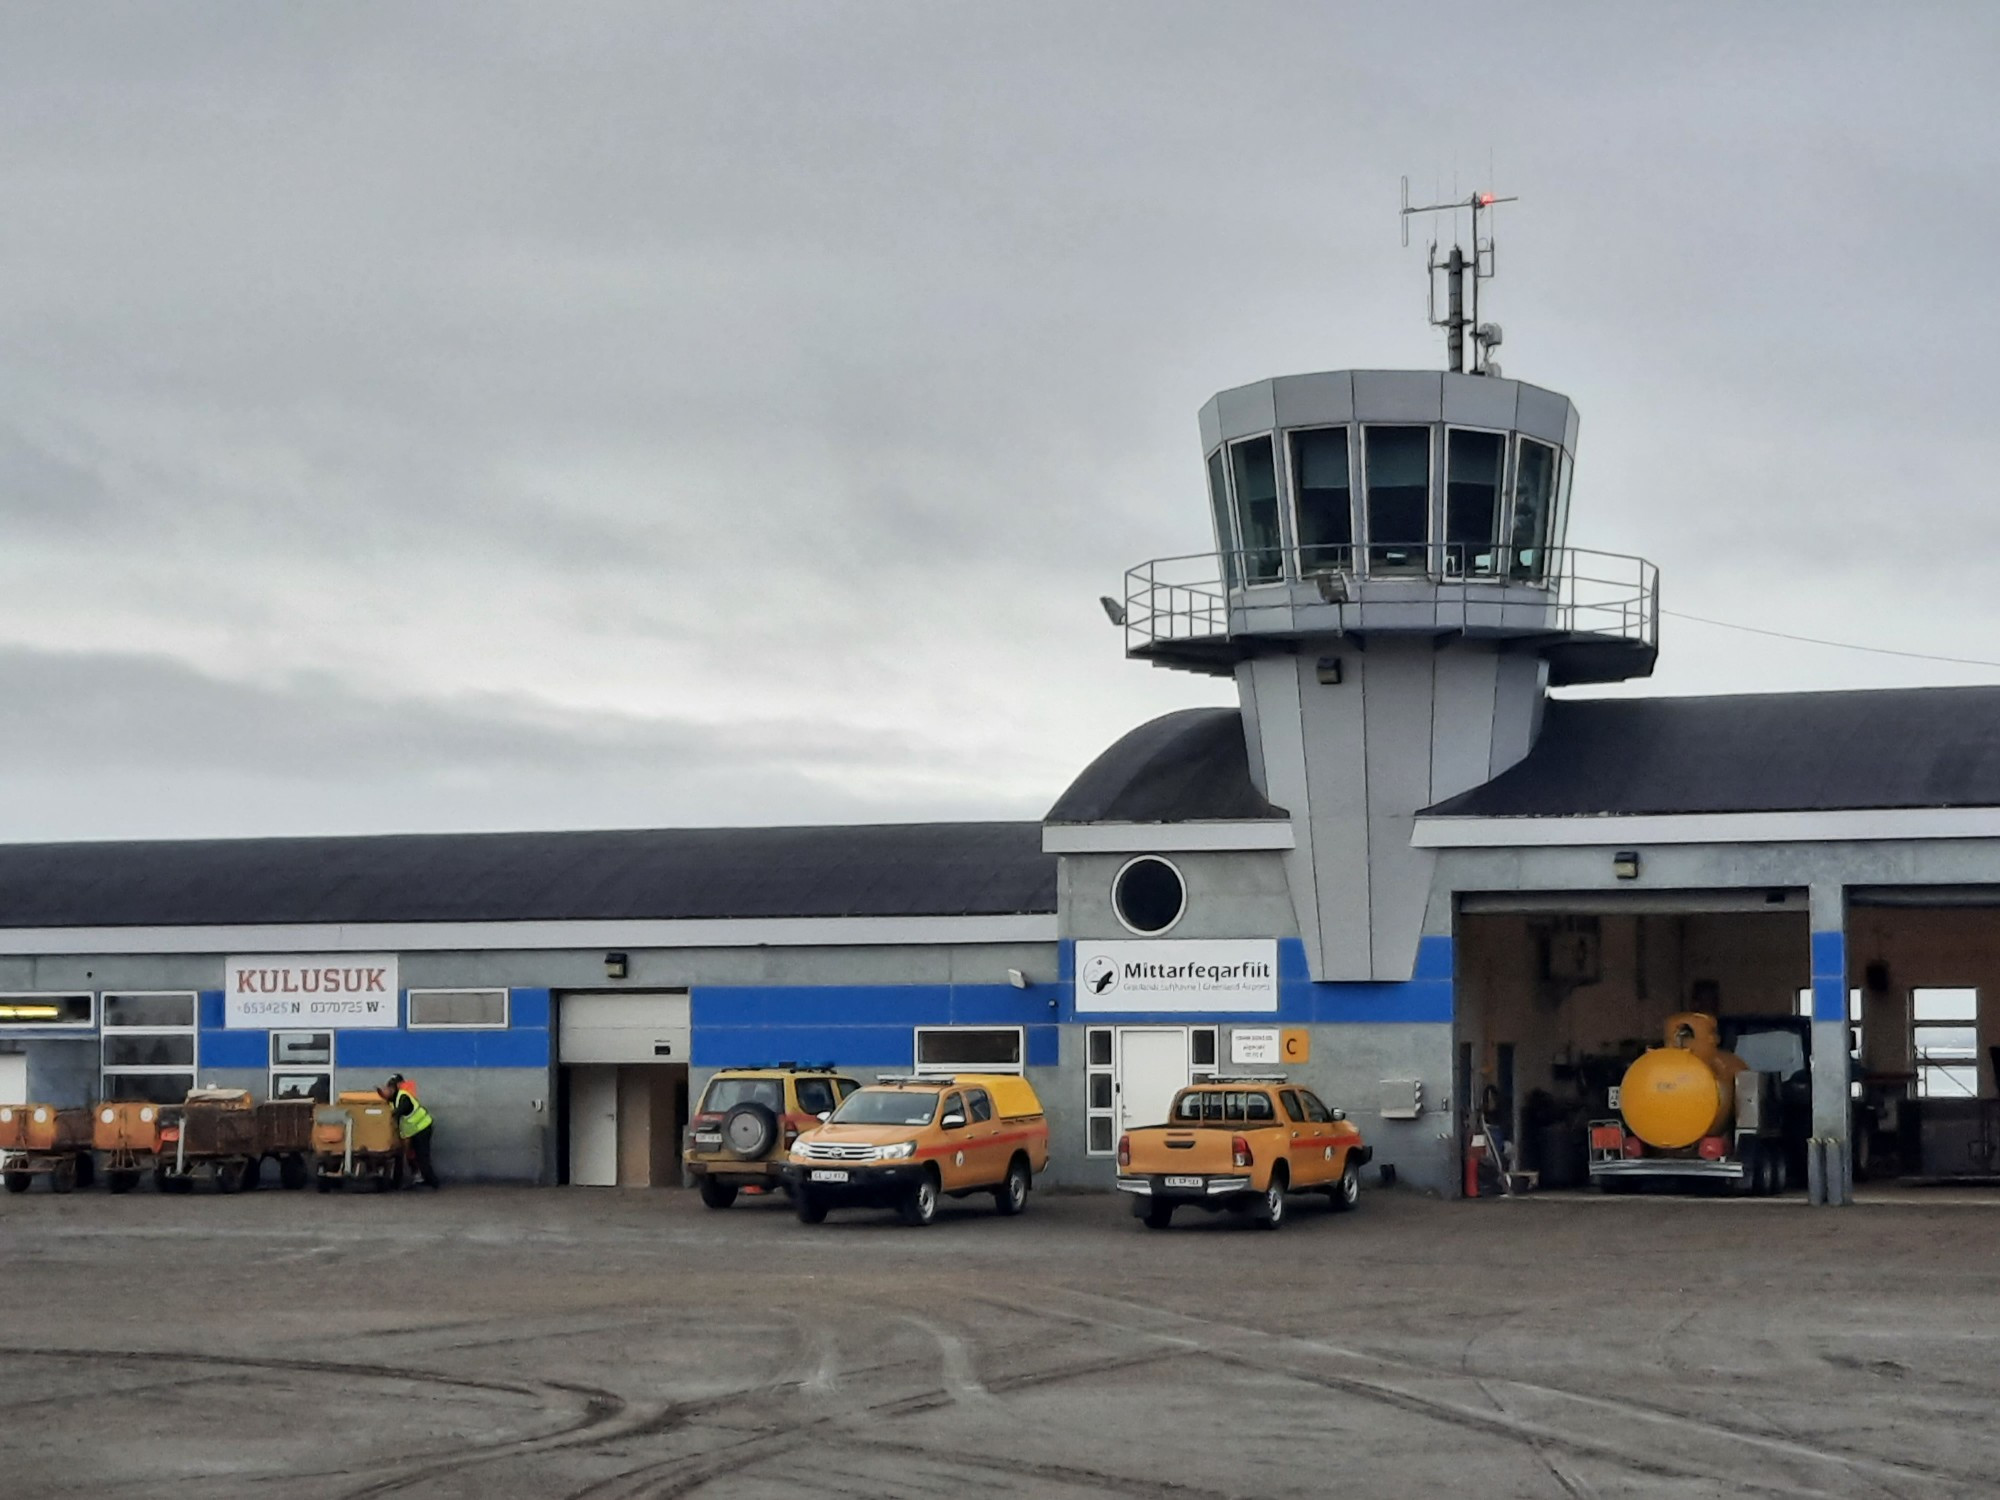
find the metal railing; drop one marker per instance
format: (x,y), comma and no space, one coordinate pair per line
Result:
(1480,589)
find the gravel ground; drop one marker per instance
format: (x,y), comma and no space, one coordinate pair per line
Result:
(601,1345)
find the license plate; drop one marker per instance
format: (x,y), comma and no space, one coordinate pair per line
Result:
(707,1138)
(1193,1182)
(823,1174)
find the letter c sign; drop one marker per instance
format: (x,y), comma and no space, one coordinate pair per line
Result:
(1295,1045)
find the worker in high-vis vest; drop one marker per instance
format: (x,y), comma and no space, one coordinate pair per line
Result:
(413,1123)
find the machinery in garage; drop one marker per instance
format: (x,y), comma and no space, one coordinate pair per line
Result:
(1696,1109)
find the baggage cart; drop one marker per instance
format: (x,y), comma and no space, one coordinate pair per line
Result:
(212,1133)
(126,1132)
(355,1140)
(45,1140)
(284,1134)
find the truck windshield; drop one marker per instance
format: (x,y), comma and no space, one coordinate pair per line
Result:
(724,1094)
(886,1107)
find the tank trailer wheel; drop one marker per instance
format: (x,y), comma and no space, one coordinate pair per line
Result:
(17,1182)
(86,1168)
(292,1172)
(229,1177)
(62,1176)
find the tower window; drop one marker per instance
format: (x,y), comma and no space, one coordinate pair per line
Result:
(1398,464)
(1148,895)
(1254,467)
(1218,503)
(1534,509)
(1323,500)
(1474,465)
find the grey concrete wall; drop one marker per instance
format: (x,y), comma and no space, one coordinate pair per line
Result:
(1353,762)
(62,1073)
(650,968)
(1234,894)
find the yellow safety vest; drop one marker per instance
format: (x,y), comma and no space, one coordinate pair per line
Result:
(417,1119)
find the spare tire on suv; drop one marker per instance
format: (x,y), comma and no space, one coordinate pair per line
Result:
(750,1130)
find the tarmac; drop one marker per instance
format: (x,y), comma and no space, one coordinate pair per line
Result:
(598,1344)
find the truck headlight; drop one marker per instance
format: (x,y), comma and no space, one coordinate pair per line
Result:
(896,1152)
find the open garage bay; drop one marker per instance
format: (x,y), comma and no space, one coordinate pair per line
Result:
(605,1344)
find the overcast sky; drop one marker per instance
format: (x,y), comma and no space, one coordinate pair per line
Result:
(431,417)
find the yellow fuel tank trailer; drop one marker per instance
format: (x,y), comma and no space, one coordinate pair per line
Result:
(1679,1093)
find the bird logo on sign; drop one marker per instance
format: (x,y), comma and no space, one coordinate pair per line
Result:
(1100,975)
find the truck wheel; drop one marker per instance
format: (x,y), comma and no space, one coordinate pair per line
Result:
(1344,1194)
(292,1172)
(717,1194)
(1012,1195)
(920,1207)
(1158,1215)
(62,1176)
(121,1181)
(808,1207)
(1270,1210)
(17,1182)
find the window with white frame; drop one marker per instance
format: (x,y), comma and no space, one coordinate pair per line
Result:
(458,1010)
(148,1045)
(971,1049)
(1944,1037)
(1100,1079)
(302,1065)
(69,1012)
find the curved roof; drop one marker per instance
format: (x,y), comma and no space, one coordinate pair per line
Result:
(1762,752)
(1187,766)
(882,870)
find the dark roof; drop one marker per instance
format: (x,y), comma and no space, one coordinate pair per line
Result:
(885,870)
(1763,752)
(1182,767)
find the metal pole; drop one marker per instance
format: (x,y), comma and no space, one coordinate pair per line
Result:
(1455,321)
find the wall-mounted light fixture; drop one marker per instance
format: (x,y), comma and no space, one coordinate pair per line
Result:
(615,965)
(1016,978)
(1328,670)
(1625,864)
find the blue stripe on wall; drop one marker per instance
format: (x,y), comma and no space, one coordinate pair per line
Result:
(1829,976)
(862,1026)
(523,1044)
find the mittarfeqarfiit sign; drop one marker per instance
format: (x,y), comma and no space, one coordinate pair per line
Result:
(1194,974)
(341,991)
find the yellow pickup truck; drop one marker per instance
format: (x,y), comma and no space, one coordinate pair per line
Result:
(905,1142)
(1241,1144)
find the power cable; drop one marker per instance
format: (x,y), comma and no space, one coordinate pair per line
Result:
(1813,640)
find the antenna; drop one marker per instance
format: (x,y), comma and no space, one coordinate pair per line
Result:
(1462,273)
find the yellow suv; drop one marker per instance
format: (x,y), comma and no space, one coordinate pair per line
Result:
(904,1142)
(747,1120)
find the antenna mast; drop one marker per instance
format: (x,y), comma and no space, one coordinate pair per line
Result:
(1463,273)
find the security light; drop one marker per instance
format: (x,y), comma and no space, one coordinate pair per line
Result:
(614,965)
(1625,864)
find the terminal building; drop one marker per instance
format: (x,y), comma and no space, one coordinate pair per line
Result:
(1404,869)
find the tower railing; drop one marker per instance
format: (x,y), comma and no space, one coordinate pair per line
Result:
(1479,589)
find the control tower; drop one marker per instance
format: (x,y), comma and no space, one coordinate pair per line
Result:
(1393,589)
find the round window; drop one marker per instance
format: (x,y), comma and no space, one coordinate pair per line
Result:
(1149,895)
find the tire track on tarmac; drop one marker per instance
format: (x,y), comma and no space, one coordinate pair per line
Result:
(1869,1468)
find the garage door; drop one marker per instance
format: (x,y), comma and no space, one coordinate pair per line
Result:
(635,1028)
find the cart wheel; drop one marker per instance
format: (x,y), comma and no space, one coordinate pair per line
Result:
(323,1182)
(292,1172)
(229,1177)
(86,1169)
(62,1176)
(17,1182)
(122,1181)
(253,1173)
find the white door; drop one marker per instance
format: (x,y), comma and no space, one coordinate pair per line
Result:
(1152,1068)
(14,1078)
(593,1127)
